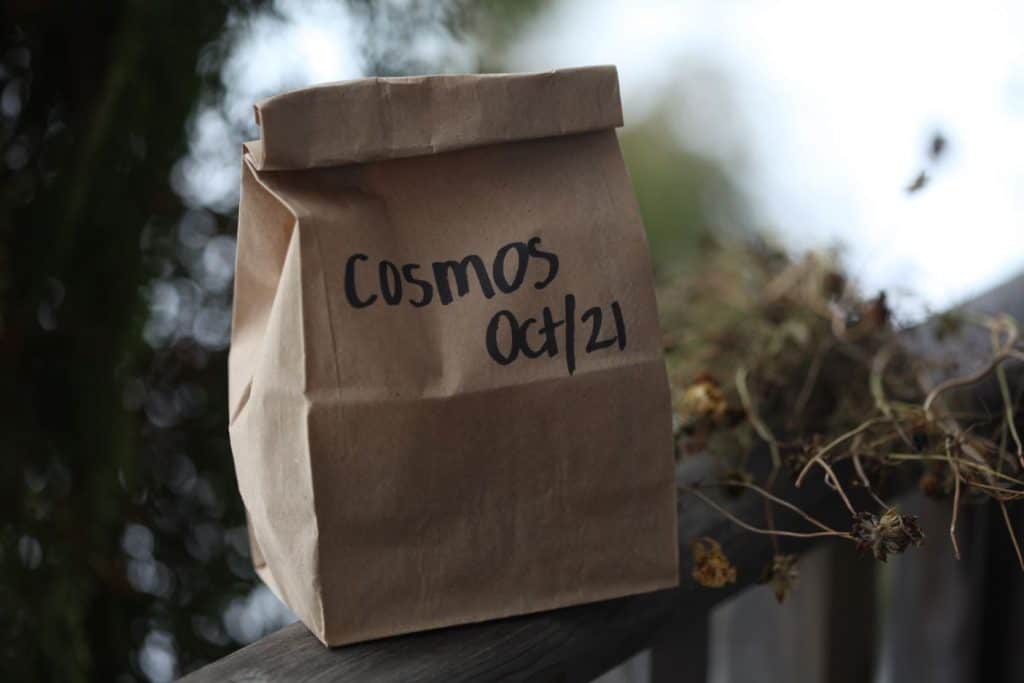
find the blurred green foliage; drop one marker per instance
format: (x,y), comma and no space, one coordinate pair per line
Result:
(684,199)
(94,103)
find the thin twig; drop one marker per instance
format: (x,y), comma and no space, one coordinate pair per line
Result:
(965,380)
(876,382)
(760,427)
(780,501)
(1000,492)
(1004,434)
(825,449)
(811,379)
(1011,418)
(866,482)
(757,530)
(962,462)
(833,481)
(769,511)
(956,501)
(1013,535)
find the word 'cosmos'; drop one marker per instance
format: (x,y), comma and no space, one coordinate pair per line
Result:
(506,337)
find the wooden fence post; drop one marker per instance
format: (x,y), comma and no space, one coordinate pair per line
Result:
(933,616)
(824,631)
(679,653)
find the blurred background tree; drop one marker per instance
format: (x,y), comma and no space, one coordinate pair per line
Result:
(117,518)
(123,551)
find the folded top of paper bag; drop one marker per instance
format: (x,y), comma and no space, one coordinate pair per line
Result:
(373,118)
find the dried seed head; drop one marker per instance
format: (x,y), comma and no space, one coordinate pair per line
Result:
(782,574)
(890,534)
(711,568)
(702,400)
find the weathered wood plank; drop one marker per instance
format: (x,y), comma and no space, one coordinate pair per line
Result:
(956,621)
(680,650)
(949,620)
(999,601)
(933,618)
(567,645)
(850,627)
(823,632)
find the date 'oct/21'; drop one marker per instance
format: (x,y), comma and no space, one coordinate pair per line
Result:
(507,337)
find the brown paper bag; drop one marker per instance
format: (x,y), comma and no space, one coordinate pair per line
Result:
(448,400)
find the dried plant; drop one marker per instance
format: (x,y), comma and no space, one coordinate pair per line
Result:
(890,534)
(761,348)
(782,575)
(711,568)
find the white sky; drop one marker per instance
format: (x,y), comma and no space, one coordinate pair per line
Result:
(828,110)
(834,104)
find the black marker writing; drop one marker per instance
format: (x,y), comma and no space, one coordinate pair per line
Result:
(506,337)
(449,279)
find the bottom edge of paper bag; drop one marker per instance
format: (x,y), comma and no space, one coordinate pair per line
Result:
(557,603)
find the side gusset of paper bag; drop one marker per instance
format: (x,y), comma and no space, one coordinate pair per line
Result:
(448,401)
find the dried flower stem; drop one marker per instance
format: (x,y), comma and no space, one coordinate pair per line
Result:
(832,480)
(965,380)
(784,503)
(769,511)
(760,427)
(876,382)
(1000,492)
(851,348)
(864,426)
(812,377)
(1013,535)
(1011,422)
(866,482)
(963,463)
(757,530)
(956,501)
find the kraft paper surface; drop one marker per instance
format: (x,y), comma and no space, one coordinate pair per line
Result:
(448,399)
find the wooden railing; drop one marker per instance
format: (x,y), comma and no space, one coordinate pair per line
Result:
(937,612)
